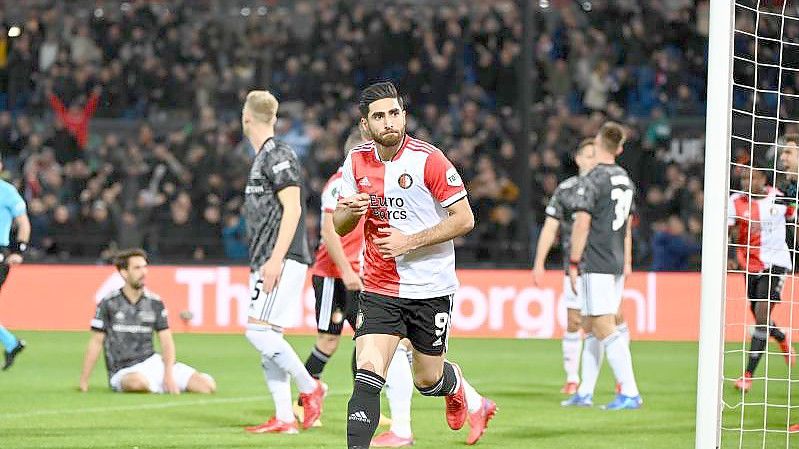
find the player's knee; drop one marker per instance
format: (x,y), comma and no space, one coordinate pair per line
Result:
(425,379)
(202,383)
(135,383)
(574,323)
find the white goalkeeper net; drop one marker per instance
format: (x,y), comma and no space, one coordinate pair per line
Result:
(758,412)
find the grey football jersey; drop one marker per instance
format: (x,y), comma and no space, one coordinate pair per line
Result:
(128,328)
(275,167)
(561,208)
(606,193)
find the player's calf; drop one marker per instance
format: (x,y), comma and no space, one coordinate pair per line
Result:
(363,410)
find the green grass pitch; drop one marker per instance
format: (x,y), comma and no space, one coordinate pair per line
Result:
(41,407)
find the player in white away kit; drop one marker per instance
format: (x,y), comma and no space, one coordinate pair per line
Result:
(758,223)
(599,256)
(560,211)
(559,217)
(279,258)
(415,203)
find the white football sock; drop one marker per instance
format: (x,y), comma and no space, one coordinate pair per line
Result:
(271,344)
(621,362)
(399,390)
(572,345)
(473,399)
(591,361)
(278,382)
(624,331)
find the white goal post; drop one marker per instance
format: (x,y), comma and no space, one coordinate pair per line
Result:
(714,226)
(747,393)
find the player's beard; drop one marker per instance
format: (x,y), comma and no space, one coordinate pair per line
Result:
(138,285)
(388,139)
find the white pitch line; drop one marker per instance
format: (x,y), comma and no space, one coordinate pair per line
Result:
(123,408)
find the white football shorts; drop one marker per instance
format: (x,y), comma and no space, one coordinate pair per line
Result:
(571,300)
(153,370)
(277,307)
(601,293)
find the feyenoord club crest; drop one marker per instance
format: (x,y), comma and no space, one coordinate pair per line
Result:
(359,320)
(405,181)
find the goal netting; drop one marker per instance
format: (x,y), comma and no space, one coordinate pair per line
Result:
(753,105)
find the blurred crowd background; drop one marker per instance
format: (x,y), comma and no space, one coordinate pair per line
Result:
(120,121)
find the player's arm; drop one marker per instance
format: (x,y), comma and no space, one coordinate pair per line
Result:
(332,240)
(351,205)
(546,239)
(578,240)
(286,179)
(289,198)
(169,357)
(23,223)
(460,221)
(628,249)
(349,211)
(90,359)
(732,233)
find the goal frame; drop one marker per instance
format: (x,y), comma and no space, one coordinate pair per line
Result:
(718,126)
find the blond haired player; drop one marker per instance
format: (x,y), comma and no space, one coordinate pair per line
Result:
(279,258)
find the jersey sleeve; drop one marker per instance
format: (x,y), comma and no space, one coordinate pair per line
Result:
(731,211)
(282,169)
(330,194)
(347,186)
(443,179)
(161,317)
(555,206)
(100,320)
(15,203)
(585,196)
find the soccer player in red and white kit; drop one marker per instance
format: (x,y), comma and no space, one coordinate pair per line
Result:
(759,222)
(415,203)
(336,275)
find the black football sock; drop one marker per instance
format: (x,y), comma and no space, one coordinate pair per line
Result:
(776,332)
(445,386)
(363,410)
(757,348)
(316,362)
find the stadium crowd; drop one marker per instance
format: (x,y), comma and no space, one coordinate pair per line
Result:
(177,191)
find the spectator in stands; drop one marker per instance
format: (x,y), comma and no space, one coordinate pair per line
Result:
(76,119)
(672,247)
(458,65)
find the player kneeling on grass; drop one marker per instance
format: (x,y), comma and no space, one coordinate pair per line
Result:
(123,326)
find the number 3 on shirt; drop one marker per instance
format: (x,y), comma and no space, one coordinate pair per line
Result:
(624,200)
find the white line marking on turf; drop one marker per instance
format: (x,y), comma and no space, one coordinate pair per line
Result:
(125,408)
